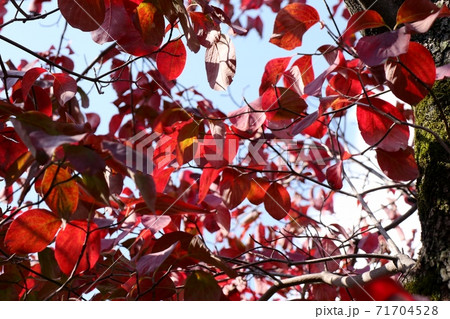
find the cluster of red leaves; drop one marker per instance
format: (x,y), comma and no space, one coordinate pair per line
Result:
(80,174)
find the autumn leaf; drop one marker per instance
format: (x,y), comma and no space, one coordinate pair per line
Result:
(32,231)
(277,201)
(75,238)
(172,59)
(60,191)
(86,15)
(291,23)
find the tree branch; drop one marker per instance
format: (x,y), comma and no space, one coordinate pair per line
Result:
(402,265)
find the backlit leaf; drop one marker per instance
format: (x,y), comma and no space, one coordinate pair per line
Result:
(172,59)
(69,245)
(151,262)
(374,126)
(11,148)
(363,20)
(220,62)
(272,73)
(150,22)
(65,87)
(415,10)
(61,191)
(399,165)
(277,201)
(258,188)
(86,15)
(418,61)
(291,23)
(32,231)
(29,78)
(334,175)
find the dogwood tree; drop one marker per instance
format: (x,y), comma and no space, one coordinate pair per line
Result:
(182,200)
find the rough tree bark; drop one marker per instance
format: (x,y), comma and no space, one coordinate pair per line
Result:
(431,276)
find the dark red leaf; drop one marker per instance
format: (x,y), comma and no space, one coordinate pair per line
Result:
(209,175)
(402,78)
(334,175)
(234,188)
(369,243)
(32,231)
(74,239)
(374,126)
(277,201)
(65,87)
(399,165)
(291,23)
(29,78)
(172,59)
(86,15)
(11,148)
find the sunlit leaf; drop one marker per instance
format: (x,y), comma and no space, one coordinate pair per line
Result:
(172,59)
(291,23)
(277,201)
(77,237)
(220,62)
(32,231)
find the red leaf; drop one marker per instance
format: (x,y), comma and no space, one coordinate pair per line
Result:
(258,188)
(363,20)
(32,231)
(169,205)
(374,126)
(86,15)
(277,201)
(291,23)
(61,191)
(399,165)
(206,29)
(69,245)
(11,148)
(209,175)
(115,25)
(65,87)
(28,80)
(150,22)
(381,289)
(369,243)
(272,73)
(299,75)
(414,10)
(234,188)
(172,59)
(318,128)
(334,175)
(39,100)
(220,60)
(373,50)
(403,84)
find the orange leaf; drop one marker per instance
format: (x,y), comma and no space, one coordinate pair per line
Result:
(69,245)
(277,201)
(150,22)
(62,191)
(291,24)
(363,20)
(258,188)
(32,231)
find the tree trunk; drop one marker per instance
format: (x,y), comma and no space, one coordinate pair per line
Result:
(432,272)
